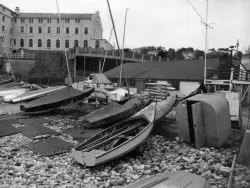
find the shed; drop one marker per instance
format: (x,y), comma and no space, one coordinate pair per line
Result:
(204,120)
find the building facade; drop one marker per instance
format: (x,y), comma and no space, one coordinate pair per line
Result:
(44,31)
(6,16)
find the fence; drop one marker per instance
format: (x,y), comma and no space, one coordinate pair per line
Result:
(19,55)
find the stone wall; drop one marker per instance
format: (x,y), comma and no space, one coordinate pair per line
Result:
(48,68)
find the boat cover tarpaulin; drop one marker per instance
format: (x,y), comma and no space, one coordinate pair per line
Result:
(56,99)
(115,112)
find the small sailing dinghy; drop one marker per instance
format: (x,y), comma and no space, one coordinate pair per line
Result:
(162,108)
(56,99)
(180,179)
(31,95)
(116,140)
(115,112)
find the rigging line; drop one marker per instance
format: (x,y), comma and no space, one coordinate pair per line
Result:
(197,12)
(106,51)
(188,25)
(60,22)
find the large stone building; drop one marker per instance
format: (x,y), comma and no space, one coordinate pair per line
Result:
(43,31)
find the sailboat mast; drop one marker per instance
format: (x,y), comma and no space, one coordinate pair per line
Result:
(60,22)
(205,66)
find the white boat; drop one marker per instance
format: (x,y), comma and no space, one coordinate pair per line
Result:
(11,91)
(36,94)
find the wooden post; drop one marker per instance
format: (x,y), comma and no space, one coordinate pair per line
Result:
(151,58)
(142,57)
(100,65)
(231,78)
(74,69)
(248,95)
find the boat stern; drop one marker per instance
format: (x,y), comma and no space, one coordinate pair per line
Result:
(78,156)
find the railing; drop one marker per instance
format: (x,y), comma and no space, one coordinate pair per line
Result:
(111,53)
(19,55)
(227,74)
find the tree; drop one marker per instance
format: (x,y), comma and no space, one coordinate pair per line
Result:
(238,54)
(198,53)
(247,50)
(178,54)
(171,53)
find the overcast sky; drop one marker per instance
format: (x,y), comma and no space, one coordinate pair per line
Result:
(167,23)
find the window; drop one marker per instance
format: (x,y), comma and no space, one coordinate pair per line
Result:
(22,20)
(97,44)
(86,30)
(49,29)
(30,43)
(39,29)
(76,30)
(3,28)
(58,30)
(85,44)
(58,21)
(66,43)
(22,29)
(15,20)
(3,9)
(77,20)
(3,18)
(31,29)
(39,42)
(66,20)
(10,41)
(14,41)
(40,20)
(57,43)
(31,20)
(48,43)
(67,30)
(21,43)
(48,20)
(76,43)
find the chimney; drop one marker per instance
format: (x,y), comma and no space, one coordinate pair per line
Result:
(17,10)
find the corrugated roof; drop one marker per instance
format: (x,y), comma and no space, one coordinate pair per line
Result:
(100,79)
(172,70)
(52,15)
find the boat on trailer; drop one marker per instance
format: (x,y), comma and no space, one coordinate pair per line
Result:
(179,179)
(56,99)
(115,112)
(116,140)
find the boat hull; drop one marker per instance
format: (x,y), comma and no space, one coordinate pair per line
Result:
(92,156)
(36,94)
(172,179)
(56,99)
(114,112)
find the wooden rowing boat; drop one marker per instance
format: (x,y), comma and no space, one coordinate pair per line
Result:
(56,99)
(180,179)
(162,108)
(115,112)
(31,95)
(11,84)
(6,81)
(116,140)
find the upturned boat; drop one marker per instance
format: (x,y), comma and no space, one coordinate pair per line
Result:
(179,179)
(116,140)
(56,99)
(115,112)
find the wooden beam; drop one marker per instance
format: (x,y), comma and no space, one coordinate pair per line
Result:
(245,93)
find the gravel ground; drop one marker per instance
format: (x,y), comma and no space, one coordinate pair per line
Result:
(20,167)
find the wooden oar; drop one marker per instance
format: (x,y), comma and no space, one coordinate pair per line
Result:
(229,185)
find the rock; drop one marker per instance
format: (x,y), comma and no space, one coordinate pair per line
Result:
(135,177)
(225,171)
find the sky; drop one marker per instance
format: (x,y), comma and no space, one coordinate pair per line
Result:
(166,23)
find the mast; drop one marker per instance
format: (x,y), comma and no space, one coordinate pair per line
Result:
(117,43)
(205,66)
(60,22)
(124,30)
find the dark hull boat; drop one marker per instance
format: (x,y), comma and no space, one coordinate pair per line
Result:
(116,140)
(56,99)
(6,81)
(172,179)
(114,112)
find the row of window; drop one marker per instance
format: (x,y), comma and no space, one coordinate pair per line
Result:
(39,43)
(40,20)
(40,30)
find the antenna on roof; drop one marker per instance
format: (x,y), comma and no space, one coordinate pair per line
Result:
(207,25)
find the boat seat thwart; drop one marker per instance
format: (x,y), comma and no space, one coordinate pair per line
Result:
(97,152)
